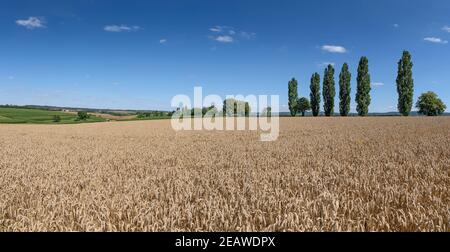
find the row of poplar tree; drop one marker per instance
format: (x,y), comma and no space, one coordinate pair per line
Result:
(405,89)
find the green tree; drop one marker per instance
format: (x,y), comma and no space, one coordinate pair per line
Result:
(329,91)
(344,90)
(363,87)
(232,107)
(56,118)
(248,109)
(293,96)
(405,84)
(196,112)
(429,104)
(209,110)
(315,94)
(82,116)
(303,105)
(229,107)
(267,112)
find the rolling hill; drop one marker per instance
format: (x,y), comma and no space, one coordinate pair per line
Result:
(38,116)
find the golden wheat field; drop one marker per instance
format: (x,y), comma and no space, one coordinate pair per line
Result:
(323,174)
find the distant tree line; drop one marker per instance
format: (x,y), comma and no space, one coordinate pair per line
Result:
(153,114)
(428,103)
(231,107)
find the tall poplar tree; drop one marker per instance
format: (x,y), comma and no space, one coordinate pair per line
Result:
(363,87)
(293,96)
(405,84)
(344,90)
(315,94)
(329,91)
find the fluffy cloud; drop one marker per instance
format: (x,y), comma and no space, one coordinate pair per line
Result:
(435,40)
(325,64)
(227,34)
(248,35)
(121,28)
(334,49)
(446,28)
(31,23)
(225,39)
(216,29)
(377,84)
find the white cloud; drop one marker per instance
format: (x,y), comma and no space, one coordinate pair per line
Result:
(377,84)
(334,49)
(223,29)
(163,41)
(435,40)
(31,23)
(216,29)
(248,35)
(396,25)
(446,28)
(121,28)
(225,39)
(325,64)
(228,34)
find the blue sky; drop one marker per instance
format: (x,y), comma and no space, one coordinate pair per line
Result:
(139,54)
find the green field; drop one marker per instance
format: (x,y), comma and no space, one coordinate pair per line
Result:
(37,116)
